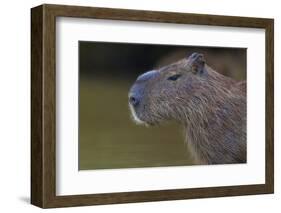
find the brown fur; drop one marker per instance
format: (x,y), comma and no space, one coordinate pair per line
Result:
(210,106)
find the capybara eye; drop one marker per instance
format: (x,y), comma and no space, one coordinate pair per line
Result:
(174,77)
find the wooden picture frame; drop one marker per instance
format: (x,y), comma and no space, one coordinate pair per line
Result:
(43,105)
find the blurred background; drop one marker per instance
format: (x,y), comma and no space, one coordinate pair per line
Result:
(108,138)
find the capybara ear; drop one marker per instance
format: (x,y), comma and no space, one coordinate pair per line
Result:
(197,62)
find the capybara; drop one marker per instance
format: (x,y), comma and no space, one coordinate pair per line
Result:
(210,106)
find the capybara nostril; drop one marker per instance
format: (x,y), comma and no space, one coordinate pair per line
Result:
(134,101)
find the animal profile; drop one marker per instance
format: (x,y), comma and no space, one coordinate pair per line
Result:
(211,108)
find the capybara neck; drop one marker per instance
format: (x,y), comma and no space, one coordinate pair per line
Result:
(215,121)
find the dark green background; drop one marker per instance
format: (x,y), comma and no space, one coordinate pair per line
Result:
(108,138)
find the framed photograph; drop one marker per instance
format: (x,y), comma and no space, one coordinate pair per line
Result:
(135,106)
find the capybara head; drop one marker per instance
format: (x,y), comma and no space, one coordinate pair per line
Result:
(169,92)
(211,106)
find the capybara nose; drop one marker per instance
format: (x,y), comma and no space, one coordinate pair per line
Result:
(134,101)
